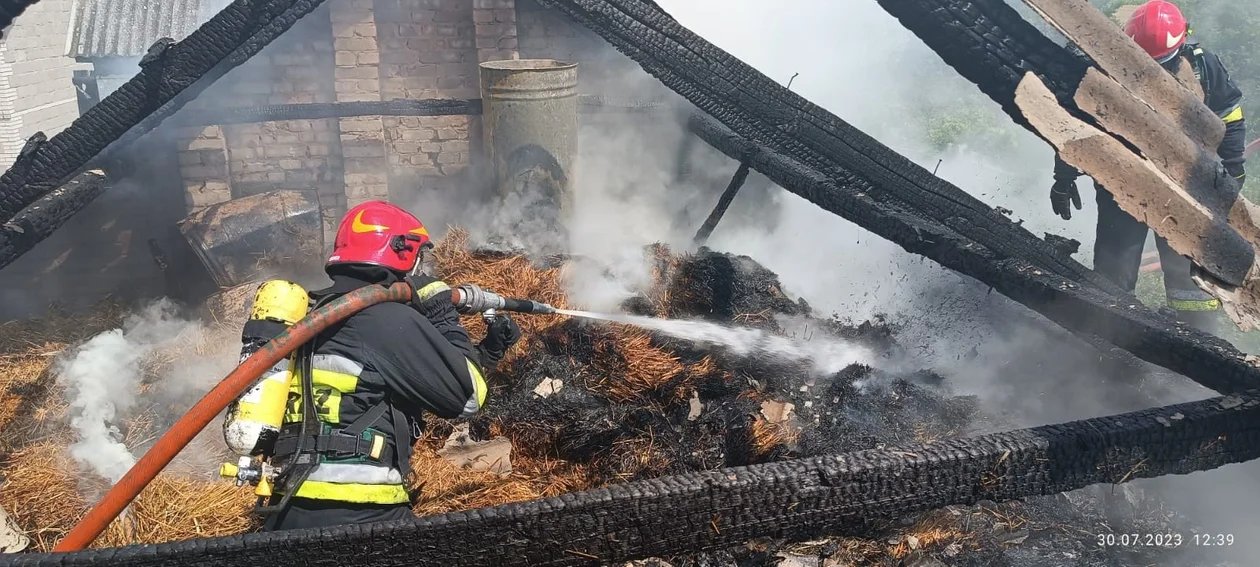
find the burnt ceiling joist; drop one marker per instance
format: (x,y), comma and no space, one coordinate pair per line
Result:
(171,74)
(795,499)
(837,167)
(819,157)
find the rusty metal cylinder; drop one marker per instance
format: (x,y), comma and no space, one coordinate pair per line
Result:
(530,122)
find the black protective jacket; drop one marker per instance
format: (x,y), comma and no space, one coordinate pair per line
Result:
(371,378)
(1220,94)
(421,365)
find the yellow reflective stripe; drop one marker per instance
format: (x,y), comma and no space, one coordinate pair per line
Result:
(352,492)
(327,405)
(378,444)
(1234,116)
(344,383)
(479,383)
(432,289)
(478,399)
(1194,304)
(328,387)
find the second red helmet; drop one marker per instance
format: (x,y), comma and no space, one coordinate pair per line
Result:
(1159,28)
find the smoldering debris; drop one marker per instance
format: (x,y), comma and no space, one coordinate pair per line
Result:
(637,404)
(84,394)
(587,404)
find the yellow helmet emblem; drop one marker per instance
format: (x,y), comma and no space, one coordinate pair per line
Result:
(360,227)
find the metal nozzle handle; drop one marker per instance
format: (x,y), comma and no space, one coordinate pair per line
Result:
(472,299)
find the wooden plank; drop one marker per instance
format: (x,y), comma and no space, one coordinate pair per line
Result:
(1140,188)
(1160,141)
(1127,63)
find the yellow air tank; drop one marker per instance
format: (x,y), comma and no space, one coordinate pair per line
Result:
(253,420)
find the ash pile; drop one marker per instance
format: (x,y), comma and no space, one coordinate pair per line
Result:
(586,403)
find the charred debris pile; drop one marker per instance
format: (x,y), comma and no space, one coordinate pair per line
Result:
(624,403)
(575,405)
(588,403)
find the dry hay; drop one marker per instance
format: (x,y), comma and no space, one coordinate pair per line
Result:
(28,350)
(626,366)
(44,492)
(44,489)
(767,437)
(623,414)
(445,487)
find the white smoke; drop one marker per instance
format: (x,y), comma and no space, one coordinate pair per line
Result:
(101,379)
(104,381)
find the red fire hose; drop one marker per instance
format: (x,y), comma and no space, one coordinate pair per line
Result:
(180,434)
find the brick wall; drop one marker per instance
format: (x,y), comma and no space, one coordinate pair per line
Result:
(357,74)
(38,74)
(237,160)
(545,34)
(374,50)
(428,49)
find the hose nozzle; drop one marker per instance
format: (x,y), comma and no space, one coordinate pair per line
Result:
(470,298)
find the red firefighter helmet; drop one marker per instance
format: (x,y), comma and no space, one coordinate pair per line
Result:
(379,234)
(1159,28)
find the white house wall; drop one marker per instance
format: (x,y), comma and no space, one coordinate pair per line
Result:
(41,73)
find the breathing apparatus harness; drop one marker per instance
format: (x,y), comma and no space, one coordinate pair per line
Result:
(274,453)
(300,447)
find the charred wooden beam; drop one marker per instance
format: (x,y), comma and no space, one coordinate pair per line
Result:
(1078,308)
(922,213)
(171,75)
(790,499)
(46,215)
(592,104)
(991,45)
(724,202)
(767,113)
(318,110)
(11,9)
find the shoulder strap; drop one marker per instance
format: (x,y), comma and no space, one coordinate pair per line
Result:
(402,448)
(358,426)
(1199,64)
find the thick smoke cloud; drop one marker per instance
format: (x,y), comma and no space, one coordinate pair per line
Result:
(156,365)
(858,62)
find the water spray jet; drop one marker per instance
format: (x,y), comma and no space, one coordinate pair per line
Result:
(827,355)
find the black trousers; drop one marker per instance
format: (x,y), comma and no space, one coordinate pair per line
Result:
(1118,246)
(308,513)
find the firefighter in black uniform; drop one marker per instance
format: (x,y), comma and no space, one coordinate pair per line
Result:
(370,377)
(1160,29)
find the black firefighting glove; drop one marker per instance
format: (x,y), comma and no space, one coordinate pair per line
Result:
(433,299)
(501,334)
(1062,193)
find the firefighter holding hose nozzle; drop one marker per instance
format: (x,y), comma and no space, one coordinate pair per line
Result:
(1160,29)
(337,450)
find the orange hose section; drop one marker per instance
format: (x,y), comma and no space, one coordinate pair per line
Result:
(231,387)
